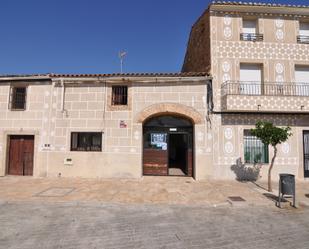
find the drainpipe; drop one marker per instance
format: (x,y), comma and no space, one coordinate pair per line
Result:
(104,102)
(62,95)
(209,102)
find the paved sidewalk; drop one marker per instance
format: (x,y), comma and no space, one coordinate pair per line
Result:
(148,190)
(302,192)
(116,226)
(153,212)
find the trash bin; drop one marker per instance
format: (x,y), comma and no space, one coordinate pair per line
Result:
(287,186)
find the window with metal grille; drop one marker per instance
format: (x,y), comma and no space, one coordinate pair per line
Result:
(255,151)
(18,98)
(86,141)
(119,95)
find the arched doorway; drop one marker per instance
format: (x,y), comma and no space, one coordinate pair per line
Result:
(168,146)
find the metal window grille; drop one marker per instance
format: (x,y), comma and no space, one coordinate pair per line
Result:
(254,150)
(119,95)
(86,141)
(251,37)
(303,39)
(18,98)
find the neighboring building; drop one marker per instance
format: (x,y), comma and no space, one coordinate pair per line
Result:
(258,57)
(197,124)
(102,126)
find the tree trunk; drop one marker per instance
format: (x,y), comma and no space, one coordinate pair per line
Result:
(270,168)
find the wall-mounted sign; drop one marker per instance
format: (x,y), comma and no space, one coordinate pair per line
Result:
(159,140)
(173,129)
(122,124)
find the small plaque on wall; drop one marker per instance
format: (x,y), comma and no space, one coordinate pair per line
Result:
(122,124)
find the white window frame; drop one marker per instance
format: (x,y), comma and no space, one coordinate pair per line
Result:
(250,86)
(302,80)
(250,30)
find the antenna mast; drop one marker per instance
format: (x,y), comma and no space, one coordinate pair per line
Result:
(122,55)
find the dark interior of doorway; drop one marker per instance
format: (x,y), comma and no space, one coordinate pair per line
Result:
(177,156)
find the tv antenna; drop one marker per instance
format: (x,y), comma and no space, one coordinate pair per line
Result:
(122,55)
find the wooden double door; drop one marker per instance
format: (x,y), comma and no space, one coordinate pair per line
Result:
(168,146)
(21,150)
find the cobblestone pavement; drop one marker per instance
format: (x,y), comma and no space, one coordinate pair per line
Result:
(94,225)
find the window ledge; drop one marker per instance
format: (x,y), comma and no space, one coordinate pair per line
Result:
(255,164)
(17,110)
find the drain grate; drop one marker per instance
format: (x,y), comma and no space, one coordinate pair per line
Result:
(236,198)
(55,192)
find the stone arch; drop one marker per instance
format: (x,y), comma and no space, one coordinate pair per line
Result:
(172,109)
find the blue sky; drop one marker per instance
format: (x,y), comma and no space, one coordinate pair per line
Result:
(85,36)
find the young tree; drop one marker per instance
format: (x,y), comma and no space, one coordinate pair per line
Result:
(271,135)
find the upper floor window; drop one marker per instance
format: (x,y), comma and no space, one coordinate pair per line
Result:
(303,36)
(119,95)
(254,150)
(302,80)
(250,30)
(18,98)
(250,77)
(86,141)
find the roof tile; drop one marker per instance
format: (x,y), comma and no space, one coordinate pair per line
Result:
(258,4)
(180,74)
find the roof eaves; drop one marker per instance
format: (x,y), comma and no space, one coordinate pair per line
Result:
(128,75)
(240,3)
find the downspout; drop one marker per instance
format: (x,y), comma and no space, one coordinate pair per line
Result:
(63,97)
(104,115)
(104,107)
(210,104)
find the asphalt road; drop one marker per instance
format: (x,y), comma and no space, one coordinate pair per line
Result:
(72,225)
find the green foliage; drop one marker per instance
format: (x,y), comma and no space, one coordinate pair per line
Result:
(270,134)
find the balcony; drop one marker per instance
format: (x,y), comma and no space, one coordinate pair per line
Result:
(251,37)
(303,39)
(265,97)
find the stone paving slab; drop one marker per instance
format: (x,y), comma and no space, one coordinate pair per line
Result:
(166,190)
(148,190)
(77,226)
(302,192)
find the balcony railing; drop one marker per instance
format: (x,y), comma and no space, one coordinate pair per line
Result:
(251,37)
(265,88)
(303,39)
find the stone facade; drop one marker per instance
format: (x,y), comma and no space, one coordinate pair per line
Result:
(278,53)
(86,107)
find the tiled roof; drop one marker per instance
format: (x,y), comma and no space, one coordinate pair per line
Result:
(180,74)
(112,75)
(23,75)
(259,4)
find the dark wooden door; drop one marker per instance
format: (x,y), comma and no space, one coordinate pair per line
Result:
(160,152)
(155,162)
(21,150)
(306,153)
